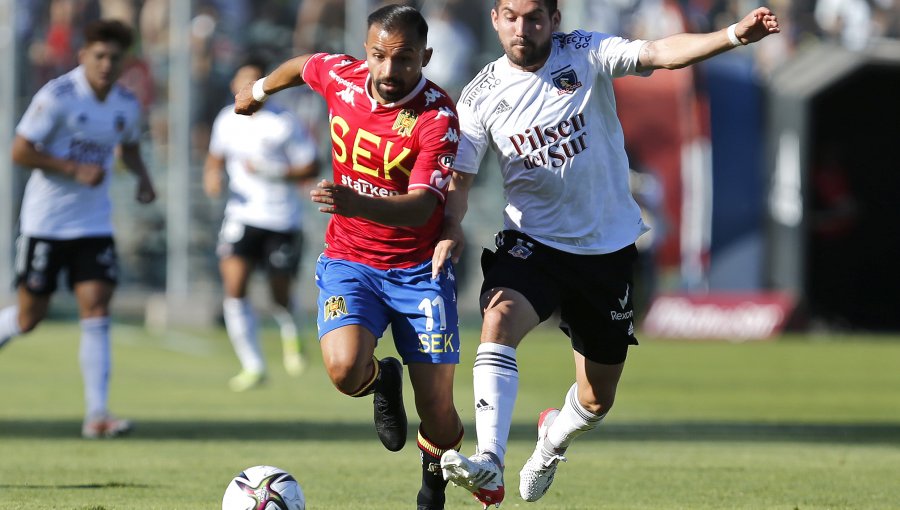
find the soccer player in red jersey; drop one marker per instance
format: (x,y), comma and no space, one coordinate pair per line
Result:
(394,137)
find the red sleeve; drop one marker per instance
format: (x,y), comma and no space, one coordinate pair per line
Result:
(316,71)
(438,139)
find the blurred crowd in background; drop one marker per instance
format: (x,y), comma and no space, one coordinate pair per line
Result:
(223,32)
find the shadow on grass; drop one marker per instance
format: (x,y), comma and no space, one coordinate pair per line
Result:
(859,433)
(110,485)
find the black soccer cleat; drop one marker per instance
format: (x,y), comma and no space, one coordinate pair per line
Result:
(390,416)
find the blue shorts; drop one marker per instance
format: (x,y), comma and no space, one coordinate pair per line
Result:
(421,311)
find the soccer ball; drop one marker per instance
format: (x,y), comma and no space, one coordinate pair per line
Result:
(263,488)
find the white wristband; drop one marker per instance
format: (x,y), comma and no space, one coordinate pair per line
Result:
(258,93)
(731,37)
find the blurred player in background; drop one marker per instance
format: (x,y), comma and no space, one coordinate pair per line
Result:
(68,136)
(394,136)
(266,156)
(570,223)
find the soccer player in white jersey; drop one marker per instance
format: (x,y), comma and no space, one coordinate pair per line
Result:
(68,136)
(547,108)
(266,157)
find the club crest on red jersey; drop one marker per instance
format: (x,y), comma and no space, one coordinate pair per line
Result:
(405,122)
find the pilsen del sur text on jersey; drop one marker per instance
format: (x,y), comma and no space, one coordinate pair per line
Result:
(552,145)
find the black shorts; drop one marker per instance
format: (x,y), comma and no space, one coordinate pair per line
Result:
(39,262)
(592,293)
(279,252)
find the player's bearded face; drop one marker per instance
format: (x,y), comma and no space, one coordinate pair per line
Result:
(395,63)
(526,30)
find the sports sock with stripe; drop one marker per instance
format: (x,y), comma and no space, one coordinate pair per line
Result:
(496,380)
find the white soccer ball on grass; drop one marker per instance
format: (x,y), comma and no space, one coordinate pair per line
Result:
(263,488)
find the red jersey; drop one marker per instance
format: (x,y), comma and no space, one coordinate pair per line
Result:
(383,150)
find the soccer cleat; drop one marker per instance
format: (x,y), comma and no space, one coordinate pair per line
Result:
(294,361)
(105,426)
(246,380)
(479,474)
(538,472)
(390,416)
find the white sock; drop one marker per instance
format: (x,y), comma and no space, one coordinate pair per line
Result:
(572,421)
(496,380)
(94,355)
(286,325)
(9,323)
(240,322)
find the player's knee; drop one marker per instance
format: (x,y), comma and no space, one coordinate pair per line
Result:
(598,404)
(344,376)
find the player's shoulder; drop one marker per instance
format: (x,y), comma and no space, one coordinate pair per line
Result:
(62,88)
(576,41)
(340,64)
(435,97)
(486,82)
(121,93)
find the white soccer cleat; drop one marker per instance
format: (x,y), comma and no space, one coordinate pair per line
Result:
(294,361)
(479,474)
(246,380)
(105,426)
(538,472)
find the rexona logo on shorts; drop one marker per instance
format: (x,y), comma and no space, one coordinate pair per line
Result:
(734,317)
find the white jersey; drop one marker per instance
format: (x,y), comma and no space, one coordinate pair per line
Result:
(271,135)
(559,143)
(66,120)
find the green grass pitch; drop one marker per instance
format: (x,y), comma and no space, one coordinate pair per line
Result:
(800,423)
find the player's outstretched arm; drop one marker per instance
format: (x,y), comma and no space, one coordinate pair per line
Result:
(131,156)
(251,97)
(453,239)
(682,50)
(408,210)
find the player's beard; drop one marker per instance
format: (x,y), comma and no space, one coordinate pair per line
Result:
(399,90)
(528,55)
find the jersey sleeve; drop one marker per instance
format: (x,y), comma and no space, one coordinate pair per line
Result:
(41,117)
(315,71)
(473,140)
(614,56)
(438,142)
(217,142)
(132,133)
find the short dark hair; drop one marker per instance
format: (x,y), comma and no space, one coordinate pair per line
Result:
(552,5)
(108,30)
(255,61)
(394,18)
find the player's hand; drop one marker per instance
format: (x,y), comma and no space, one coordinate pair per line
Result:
(145,192)
(244,104)
(88,174)
(756,25)
(335,199)
(450,245)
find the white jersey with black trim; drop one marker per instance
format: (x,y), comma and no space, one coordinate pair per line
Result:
(559,143)
(270,136)
(66,120)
